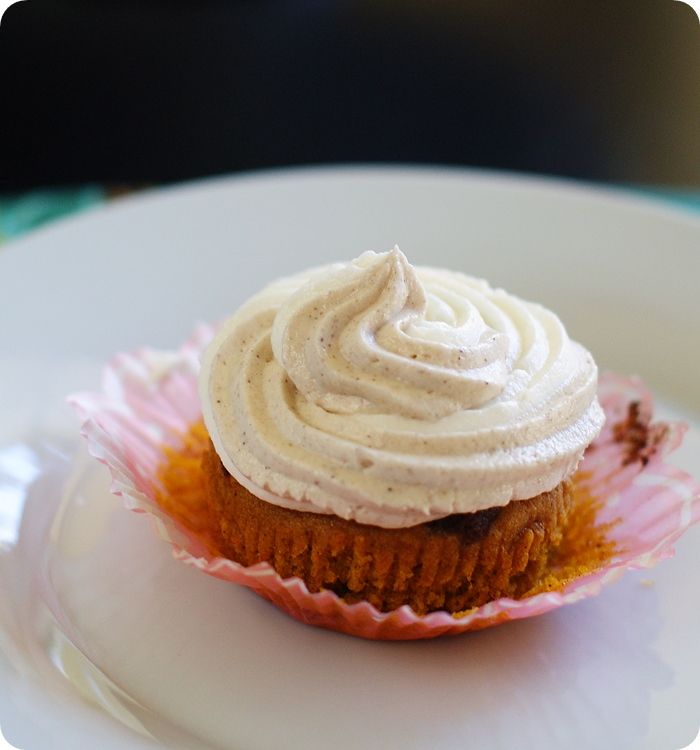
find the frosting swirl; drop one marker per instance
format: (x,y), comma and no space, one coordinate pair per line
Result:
(361,340)
(395,395)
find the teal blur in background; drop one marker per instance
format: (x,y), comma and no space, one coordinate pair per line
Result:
(26,211)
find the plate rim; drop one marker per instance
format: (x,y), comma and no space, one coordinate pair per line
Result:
(624,196)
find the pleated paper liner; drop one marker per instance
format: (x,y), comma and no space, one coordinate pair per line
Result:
(632,505)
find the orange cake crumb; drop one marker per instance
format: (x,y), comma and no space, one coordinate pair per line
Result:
(586,544)
(181,490)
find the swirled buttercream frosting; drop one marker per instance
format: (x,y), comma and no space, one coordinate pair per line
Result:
(394,395)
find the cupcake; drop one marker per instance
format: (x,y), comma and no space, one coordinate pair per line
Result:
(391,452)
(396,435)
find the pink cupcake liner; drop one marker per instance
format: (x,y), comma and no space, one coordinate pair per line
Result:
(150,399)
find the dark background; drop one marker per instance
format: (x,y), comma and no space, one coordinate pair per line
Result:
(142,92)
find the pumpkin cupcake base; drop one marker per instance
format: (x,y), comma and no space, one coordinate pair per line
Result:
(140,426)
(452,564)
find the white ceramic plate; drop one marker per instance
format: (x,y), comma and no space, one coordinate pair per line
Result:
(108,642)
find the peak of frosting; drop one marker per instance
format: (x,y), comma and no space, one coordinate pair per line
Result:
(363,339)
(394,395)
